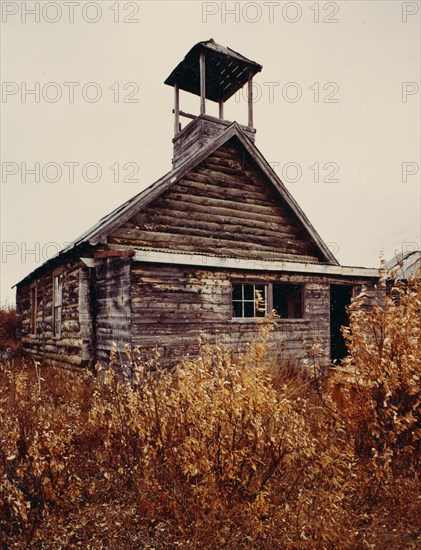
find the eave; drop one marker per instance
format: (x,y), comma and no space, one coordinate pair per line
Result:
(207,261)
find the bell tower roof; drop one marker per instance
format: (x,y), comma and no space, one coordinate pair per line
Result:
(226,71)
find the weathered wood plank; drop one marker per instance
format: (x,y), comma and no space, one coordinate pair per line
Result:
(210,225)
(207,176)
(222,210)
(222,191)
(189,198)
(268,242)
(113,304)
(231,223)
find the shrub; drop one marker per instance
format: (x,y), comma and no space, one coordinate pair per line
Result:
(383,396)
(214,448)
(380,403)
(39,424)
(226,451)
(8,329)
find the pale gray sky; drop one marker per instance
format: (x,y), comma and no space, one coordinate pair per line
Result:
(339,92)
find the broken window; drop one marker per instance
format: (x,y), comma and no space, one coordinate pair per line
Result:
(249,300)
(288,300)
(58,304)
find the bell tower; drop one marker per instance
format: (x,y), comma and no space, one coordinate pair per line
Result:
(213,73)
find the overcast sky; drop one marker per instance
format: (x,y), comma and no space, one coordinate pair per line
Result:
(337,112)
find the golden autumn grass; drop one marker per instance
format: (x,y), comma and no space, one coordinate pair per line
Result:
(227,452)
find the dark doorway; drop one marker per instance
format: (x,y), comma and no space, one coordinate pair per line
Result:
(340,298)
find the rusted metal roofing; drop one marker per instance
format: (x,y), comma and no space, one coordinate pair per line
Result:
(226,71)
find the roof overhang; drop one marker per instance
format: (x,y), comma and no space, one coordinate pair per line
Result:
(204,260)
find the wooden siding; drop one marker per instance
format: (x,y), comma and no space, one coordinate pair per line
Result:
(65,349)
(198,133)
(225,206)
(172,305)
(112,305)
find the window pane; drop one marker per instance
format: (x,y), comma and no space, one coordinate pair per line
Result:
(237,309)
(294,306)
(58,300)
(58,289)
(279,301)
(249,309)
(237,292)
(261,312)
(260,298)
(57,320)
(248,292)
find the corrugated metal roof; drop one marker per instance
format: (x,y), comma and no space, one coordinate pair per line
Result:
(226,71)
(403,265)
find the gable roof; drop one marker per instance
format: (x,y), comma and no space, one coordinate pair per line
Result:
(98,233)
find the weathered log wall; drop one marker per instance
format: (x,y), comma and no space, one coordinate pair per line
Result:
(172,305)
(165,308)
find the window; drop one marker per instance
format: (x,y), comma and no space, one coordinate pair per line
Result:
(288,301)
(249,300)
(256,300)
(34,307)
(57,303)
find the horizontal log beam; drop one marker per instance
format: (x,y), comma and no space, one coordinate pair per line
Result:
(166,243)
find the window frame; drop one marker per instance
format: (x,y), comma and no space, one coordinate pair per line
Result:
(244,300)
(269,300)
(57,305)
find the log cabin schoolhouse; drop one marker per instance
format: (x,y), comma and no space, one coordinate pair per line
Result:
(208,248)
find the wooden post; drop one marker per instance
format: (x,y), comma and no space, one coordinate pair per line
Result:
(176,109)
(202,84)
(221,108)
(250,101)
